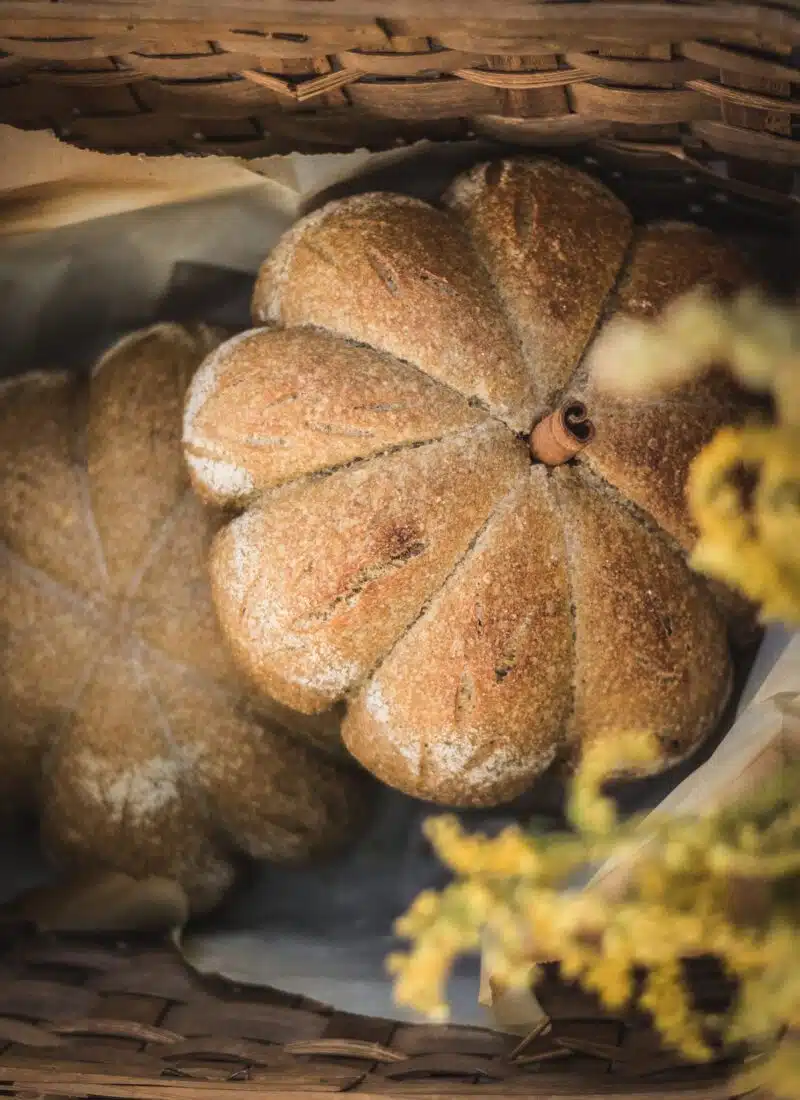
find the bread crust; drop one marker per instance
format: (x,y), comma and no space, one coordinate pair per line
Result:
(644,447)
(468,706)
(335,401)
(394,273)
(310,597)
(554,243)
(498,298)
(651,651)
(124,720)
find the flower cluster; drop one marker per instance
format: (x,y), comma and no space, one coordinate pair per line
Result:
(727,885)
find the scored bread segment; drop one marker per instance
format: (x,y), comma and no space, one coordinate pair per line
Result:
(651,651)
(274,793)
(553,241)
(668,259)
(148,371)
(105,786)
(644,446)
(165,612)
(44,497)
(275,405)
(395,273)
(49,640)
(311,596)
(471,704)
(125,721)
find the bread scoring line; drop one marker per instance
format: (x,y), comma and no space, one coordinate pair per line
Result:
(103,614)
(604,314)
(460,223)
(569,571)
(654,528)
(259,497)
(280,260)
(428,604)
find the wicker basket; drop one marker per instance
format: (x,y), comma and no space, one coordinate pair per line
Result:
(687,102)
(128,1020)
(713,83)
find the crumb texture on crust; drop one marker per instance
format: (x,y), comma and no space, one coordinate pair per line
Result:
(402,277)
(464,708)
(124,720)
(43,492)
(311,597)
(651,651)
(286,403)
(477,617)
(644,447)
(553,242)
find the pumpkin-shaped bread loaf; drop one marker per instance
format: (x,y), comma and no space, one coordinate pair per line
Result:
(121,716)
(407,541)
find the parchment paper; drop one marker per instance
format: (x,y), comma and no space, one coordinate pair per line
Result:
(69,291)
(45,184)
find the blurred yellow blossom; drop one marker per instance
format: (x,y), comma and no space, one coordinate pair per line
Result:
(727,885)
(678,905)
(744,488)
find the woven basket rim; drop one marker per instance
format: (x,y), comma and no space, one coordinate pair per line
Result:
(128,1019)
(710,84)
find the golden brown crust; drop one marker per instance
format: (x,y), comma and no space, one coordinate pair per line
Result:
(468,708)
(42,528)
(149,372)
(44,493)
(651,652)
(396,274)
(310,597)
(173,613)
(553,241)
(318,581)
(123,802)
(271,406)
(644,447)
(671,258)
(271,791)
(120,709)
(47,640)
(171,609)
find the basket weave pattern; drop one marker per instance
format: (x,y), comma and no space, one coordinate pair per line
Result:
(709,86)
(80,1018)
(709,81)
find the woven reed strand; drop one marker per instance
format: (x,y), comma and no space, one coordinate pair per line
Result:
(709,83)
